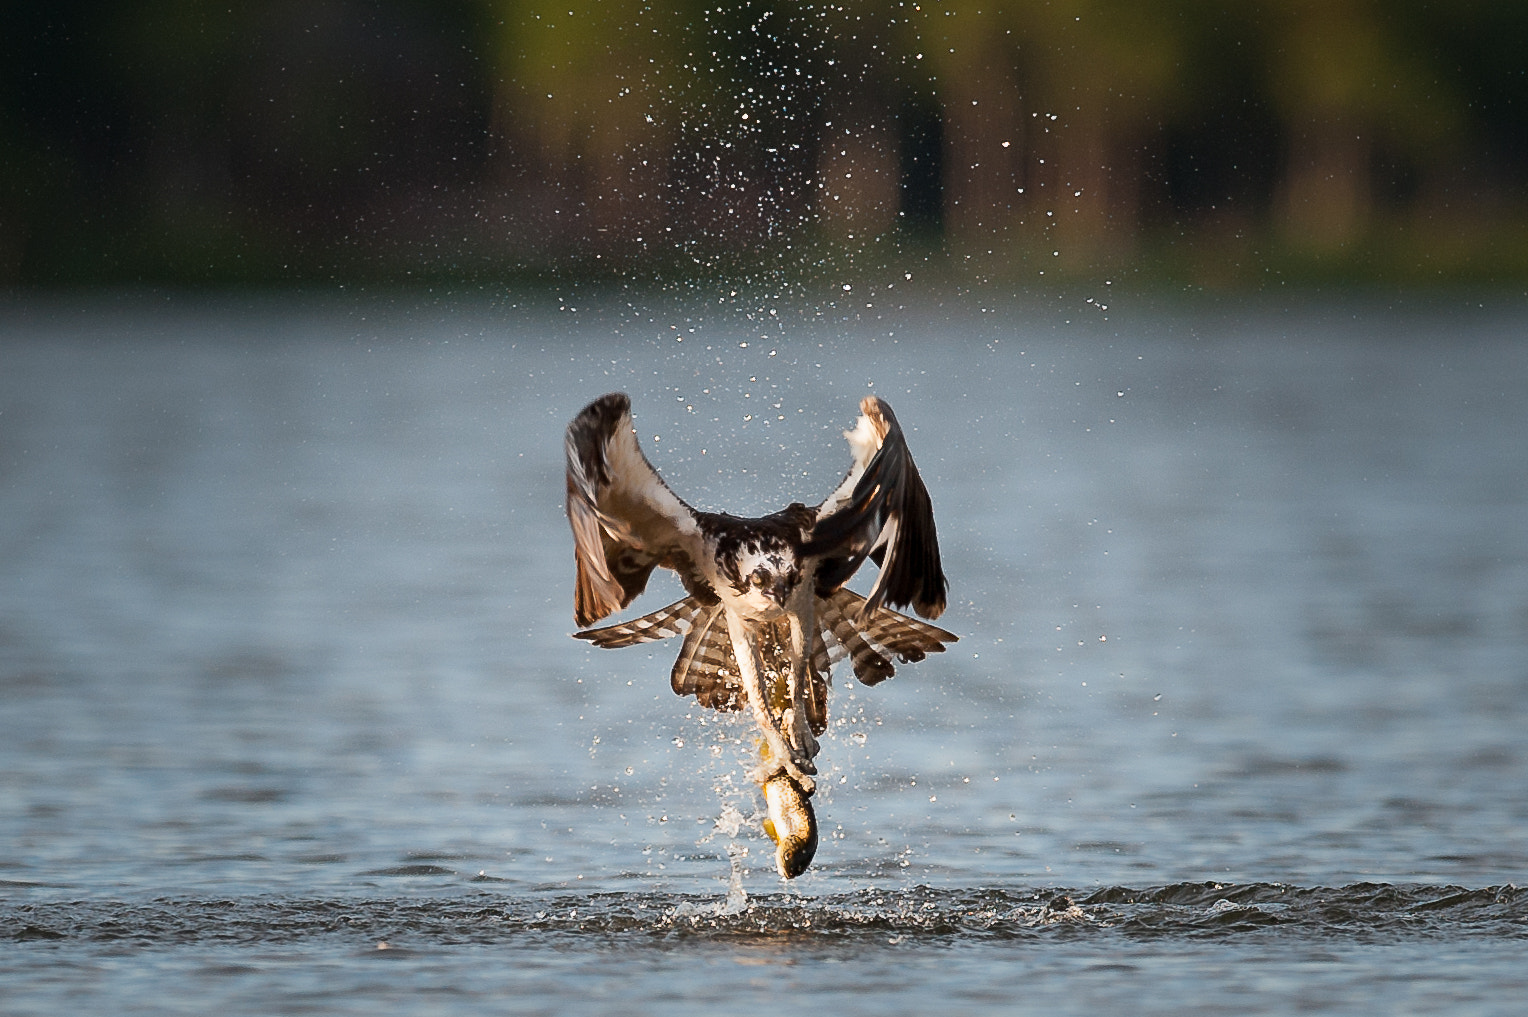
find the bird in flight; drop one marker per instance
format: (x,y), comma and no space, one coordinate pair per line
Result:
(766,613)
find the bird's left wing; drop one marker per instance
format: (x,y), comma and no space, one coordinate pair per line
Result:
(625,520)
(881,511)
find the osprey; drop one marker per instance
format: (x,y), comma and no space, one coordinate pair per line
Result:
(766,613)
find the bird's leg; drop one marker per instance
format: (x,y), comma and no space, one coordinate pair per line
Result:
(798,728)
(751,671)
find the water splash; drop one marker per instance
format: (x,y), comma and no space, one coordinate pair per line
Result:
(736,901)
(1359,912)
(737,897)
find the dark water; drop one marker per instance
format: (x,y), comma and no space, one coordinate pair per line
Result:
(1236,722)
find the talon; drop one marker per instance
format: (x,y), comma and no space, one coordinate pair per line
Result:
(768,770)
(779,752)
(798,733)
(790,823)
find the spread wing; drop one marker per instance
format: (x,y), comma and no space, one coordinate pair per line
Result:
(625,520)
(881,511)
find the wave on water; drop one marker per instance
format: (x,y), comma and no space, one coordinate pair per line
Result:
(1362,911)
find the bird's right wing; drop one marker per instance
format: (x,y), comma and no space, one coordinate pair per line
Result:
(625,520)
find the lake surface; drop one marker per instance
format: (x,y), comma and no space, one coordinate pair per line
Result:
(290,720)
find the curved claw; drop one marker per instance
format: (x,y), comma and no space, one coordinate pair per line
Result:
(798,735)
(791,824)
(784,750)
(768,769)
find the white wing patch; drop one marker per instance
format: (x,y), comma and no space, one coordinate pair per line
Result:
(864,443)
(625,520)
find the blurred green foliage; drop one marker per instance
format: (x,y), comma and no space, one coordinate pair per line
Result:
(181,141)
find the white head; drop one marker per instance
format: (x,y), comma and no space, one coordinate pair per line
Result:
(763,575)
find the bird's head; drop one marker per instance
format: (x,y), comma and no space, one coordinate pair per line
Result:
(764,577)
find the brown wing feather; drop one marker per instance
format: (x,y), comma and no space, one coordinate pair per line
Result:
(625,520)
(886,516)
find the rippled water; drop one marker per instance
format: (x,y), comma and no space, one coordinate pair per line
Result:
(1236,721)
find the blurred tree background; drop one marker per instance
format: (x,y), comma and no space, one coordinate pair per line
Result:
(182,141)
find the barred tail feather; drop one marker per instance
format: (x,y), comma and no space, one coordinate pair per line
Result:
(660,624)
(872,638)
(910,639)
(705,668)
(840,628)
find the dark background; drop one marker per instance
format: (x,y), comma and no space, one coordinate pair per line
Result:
(331,141)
